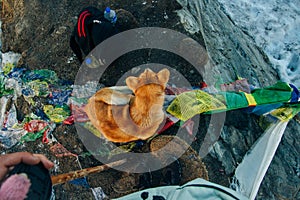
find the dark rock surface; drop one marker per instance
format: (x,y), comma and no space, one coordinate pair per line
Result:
(40,31)
(234,53)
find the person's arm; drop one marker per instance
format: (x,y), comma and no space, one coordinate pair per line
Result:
(7,161)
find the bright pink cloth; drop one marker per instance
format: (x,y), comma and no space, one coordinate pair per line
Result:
(15,187)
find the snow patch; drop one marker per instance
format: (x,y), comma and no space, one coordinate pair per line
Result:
(275,27)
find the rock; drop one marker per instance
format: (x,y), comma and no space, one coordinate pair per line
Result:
(237,141)
(233,53)
(190,161)
(126,20)
(220,152)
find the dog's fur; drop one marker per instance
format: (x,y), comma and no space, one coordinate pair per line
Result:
(139,116)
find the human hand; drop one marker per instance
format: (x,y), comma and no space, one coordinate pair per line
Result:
(8,161)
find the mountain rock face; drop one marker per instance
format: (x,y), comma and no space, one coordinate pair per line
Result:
(40,31)
(234,53)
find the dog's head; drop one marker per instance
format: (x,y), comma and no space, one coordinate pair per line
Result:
(148,77)
(149,86)
(149,91)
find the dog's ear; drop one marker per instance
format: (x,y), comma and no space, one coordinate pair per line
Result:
(132,82)
(163,76)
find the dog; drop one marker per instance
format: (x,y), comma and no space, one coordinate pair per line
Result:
(124,117)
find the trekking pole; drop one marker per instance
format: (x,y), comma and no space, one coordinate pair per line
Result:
(63,178)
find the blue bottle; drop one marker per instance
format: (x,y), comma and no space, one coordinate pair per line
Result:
(110,15)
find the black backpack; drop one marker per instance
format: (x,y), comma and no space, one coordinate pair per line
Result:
(91,29)
(86,17)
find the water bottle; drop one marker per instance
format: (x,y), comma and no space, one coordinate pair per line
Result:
(110,15)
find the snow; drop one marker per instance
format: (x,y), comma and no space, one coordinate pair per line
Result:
(275,27)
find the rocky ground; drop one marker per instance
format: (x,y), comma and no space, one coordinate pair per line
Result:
(40,31)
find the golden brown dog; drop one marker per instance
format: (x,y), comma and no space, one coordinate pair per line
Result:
(123,117)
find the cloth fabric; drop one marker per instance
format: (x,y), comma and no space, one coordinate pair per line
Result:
(188,104)
(195,189)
